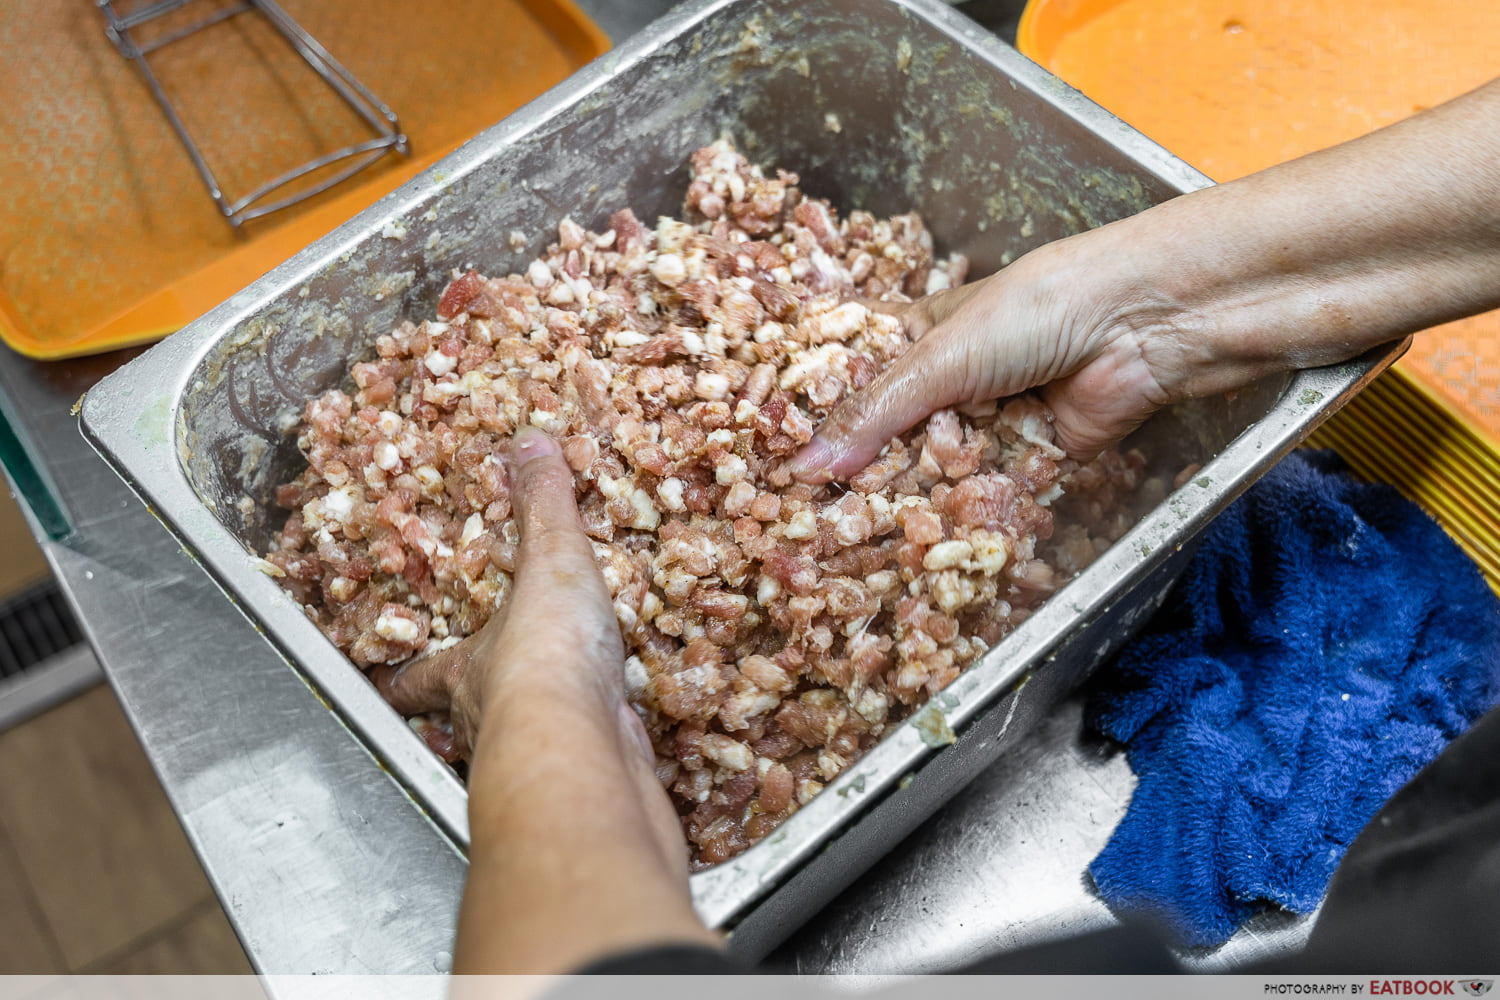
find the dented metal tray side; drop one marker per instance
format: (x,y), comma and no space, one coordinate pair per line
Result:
(887,105)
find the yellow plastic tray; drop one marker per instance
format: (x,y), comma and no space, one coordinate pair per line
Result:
(107,236)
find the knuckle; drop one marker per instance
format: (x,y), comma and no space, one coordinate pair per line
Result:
(852,412)
(452,676)
(543,476)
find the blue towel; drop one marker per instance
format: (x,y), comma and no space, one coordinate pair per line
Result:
(1326,641)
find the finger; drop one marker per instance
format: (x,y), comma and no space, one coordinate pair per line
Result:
(936,309)
(960,362)
(937,371)
(1093,409)
(634,732)
(446,743)
(552,535)
(923,315)
(904,311)
(860,426)
(424,685)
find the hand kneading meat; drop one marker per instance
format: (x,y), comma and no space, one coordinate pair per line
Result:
(776,629)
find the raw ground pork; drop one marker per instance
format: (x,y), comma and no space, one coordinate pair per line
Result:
(776,630)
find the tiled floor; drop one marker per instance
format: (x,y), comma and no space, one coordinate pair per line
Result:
(22,562)
(95,873)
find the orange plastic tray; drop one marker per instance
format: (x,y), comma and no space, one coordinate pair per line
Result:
(1234,86)
(107,236)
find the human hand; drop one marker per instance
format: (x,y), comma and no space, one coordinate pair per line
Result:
(575,849)
(1068,317)
(1308,263)
(555,635)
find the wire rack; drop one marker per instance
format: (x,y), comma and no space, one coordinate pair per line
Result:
(274,194)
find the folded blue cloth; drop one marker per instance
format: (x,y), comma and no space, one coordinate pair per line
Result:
(1326,641)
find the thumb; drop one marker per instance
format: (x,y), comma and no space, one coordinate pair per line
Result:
(965,354)
(912,387)
(954,363)
(424,685)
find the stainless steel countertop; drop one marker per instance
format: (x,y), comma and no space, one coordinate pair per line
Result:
(325,865)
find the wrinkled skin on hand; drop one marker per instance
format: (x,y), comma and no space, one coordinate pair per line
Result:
(557,630)
(1105,354)
(1307,263)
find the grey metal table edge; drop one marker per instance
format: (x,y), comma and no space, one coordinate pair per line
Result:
(324,864)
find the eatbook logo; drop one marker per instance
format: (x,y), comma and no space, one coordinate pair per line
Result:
(1478,987)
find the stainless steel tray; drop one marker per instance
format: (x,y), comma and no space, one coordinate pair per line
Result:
(881,104)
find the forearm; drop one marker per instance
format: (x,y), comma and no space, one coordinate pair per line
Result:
(566,864)
(1319,259)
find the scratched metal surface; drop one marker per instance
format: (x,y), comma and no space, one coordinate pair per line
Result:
(323,862)
(1002,866)
(200,424)
(320,859)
